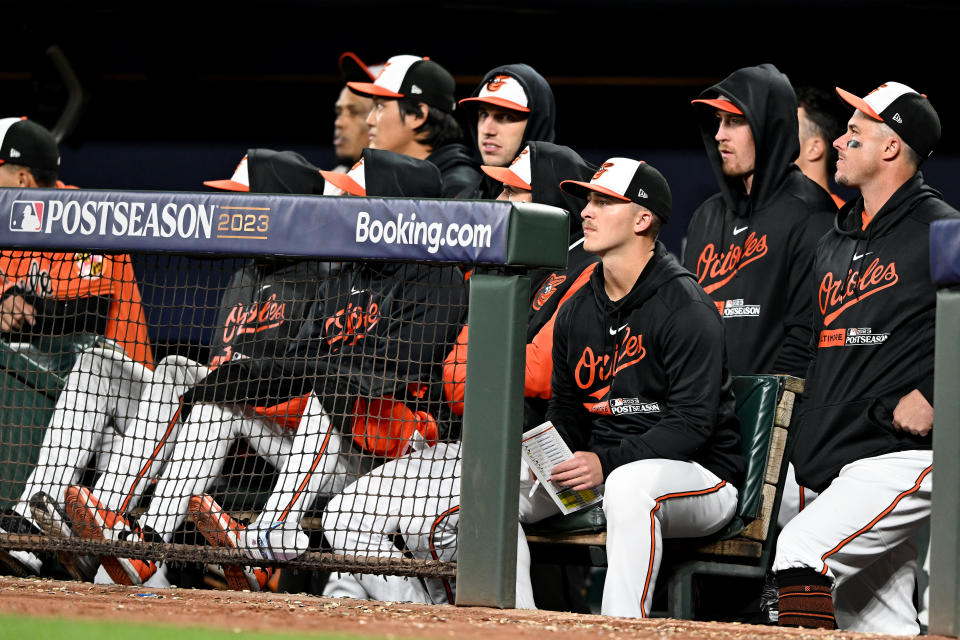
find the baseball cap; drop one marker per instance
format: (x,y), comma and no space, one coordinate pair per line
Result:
(239,181)
(518,174)
(502,91)
(902,109)
(413,77)
(353,182)
(385,174)
(353,69)
(269,171)
(720,102)
(26,143)
(630,181)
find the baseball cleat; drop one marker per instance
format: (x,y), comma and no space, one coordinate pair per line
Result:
(221,530)
(93,521)
(54,522)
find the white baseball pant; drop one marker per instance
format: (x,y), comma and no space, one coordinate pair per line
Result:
(795,498)
(106,385)
(200,450)
(644,502)
(417,496)
(860,533)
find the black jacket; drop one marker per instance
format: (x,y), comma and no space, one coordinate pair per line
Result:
(263,308)
(753,253)
(645,377)
(540,121)
(459,171)
(874,316)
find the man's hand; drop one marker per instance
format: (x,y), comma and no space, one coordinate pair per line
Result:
(913,414)
(15,312)
(580,472)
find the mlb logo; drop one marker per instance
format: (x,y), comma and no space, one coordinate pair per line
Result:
(26,215)
(852,332)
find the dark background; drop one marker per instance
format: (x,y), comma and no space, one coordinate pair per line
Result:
(176,92)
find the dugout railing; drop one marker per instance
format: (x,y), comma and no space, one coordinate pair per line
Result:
(944,563)
(189,232)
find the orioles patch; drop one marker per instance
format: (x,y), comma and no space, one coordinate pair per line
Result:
(547,290)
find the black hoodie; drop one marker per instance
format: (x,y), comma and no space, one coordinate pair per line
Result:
(875,309)
(374,329)
(540,121)
(645,377)
(753,253)
(459,171)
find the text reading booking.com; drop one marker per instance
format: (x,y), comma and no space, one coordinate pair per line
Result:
(431,235)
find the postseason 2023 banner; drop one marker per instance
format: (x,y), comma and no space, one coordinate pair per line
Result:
(470,232)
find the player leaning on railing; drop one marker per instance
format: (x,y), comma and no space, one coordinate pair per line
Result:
(375,338)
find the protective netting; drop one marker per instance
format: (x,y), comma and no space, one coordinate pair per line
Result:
(241,412)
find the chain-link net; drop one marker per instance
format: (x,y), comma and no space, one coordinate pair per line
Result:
(243,412)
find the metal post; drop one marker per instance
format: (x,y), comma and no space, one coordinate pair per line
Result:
(492,426)
(945,516)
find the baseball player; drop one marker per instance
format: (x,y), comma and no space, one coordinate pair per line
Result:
(821,118)
(752,244)
(640,390)
(412,114)
(864,437)
(361,314)
(419,494)
(351,133)
(46,292)
(117,409)
(513,105)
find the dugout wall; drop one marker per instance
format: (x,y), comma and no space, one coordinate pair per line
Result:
(421,239)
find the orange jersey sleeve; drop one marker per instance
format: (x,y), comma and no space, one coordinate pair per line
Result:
(77,275)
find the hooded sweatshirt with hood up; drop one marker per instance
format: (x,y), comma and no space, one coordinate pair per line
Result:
(873,330)
(540,120)
(645,377)
(550,164)
(752,253)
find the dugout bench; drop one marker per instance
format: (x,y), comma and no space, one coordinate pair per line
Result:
(742,549)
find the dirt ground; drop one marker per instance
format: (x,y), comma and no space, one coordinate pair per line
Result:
(310,614)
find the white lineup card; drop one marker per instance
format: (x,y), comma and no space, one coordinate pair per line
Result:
(542,449)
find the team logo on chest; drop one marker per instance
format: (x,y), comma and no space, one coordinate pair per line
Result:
(837,295)
(350,325)
(254,318)
(717,268)
(594,370)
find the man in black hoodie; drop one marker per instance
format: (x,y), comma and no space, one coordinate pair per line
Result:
(751,245)
(641,392)
(412,114)
(363,518)
(513,105)
(864,436)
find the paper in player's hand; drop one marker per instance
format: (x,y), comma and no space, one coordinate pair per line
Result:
(542,449)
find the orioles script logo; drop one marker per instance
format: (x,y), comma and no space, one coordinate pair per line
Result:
(592,369)
(547,290)
(254,318)
(719,268)
(836,296)
(350,325)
